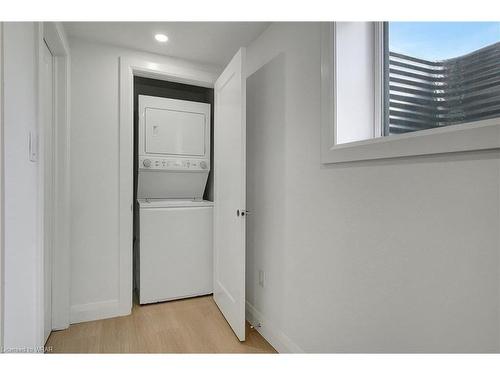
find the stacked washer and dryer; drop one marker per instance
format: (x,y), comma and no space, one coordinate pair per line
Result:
(173,247)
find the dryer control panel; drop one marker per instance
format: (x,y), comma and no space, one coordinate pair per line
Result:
(173,164)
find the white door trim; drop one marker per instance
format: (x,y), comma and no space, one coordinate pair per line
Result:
(47,150)
(1,193)
(52,34)
(128,69)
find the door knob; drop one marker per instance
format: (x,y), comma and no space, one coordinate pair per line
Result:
(242,212)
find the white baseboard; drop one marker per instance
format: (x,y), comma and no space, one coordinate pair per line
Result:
(60,327)
(96,310)
(270,332)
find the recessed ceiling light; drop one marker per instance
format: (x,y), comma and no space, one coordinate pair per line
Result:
(161,38)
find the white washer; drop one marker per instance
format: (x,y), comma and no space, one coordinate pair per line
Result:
(173,255)
(175,249)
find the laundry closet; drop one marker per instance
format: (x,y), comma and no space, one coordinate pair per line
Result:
(173,194)
(189,177)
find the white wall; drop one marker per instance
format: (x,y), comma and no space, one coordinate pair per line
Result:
(387,256)
(22,240)
(94,142)
(266,130)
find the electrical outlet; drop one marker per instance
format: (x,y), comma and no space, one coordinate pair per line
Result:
(262,278)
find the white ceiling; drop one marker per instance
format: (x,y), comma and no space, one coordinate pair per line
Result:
(207,42)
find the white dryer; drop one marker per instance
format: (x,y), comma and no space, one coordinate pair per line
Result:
(173,148)
(174,245)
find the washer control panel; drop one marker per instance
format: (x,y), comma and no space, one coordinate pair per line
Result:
(173,164)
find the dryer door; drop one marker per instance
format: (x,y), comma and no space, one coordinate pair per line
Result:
(174,132)
(170,127)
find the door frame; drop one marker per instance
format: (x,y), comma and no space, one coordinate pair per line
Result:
(52,34)
(130,67)
(47,153)
(1,194)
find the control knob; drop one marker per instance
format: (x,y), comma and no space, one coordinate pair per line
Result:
(146,163)
(203,165)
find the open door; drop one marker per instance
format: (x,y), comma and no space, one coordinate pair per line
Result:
(229,193)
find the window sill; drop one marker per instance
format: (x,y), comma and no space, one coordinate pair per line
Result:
(480,135)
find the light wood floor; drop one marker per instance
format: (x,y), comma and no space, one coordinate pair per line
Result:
(192,325)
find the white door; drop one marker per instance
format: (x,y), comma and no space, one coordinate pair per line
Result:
(229,193)
(48,173)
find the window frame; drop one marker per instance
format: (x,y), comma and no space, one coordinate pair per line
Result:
(471,136)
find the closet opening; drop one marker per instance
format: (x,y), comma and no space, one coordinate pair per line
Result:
(173,191)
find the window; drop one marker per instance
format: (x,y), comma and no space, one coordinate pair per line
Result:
(440,74)
(392,89)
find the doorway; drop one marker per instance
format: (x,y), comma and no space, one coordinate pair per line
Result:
(148,87)
(229,110)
